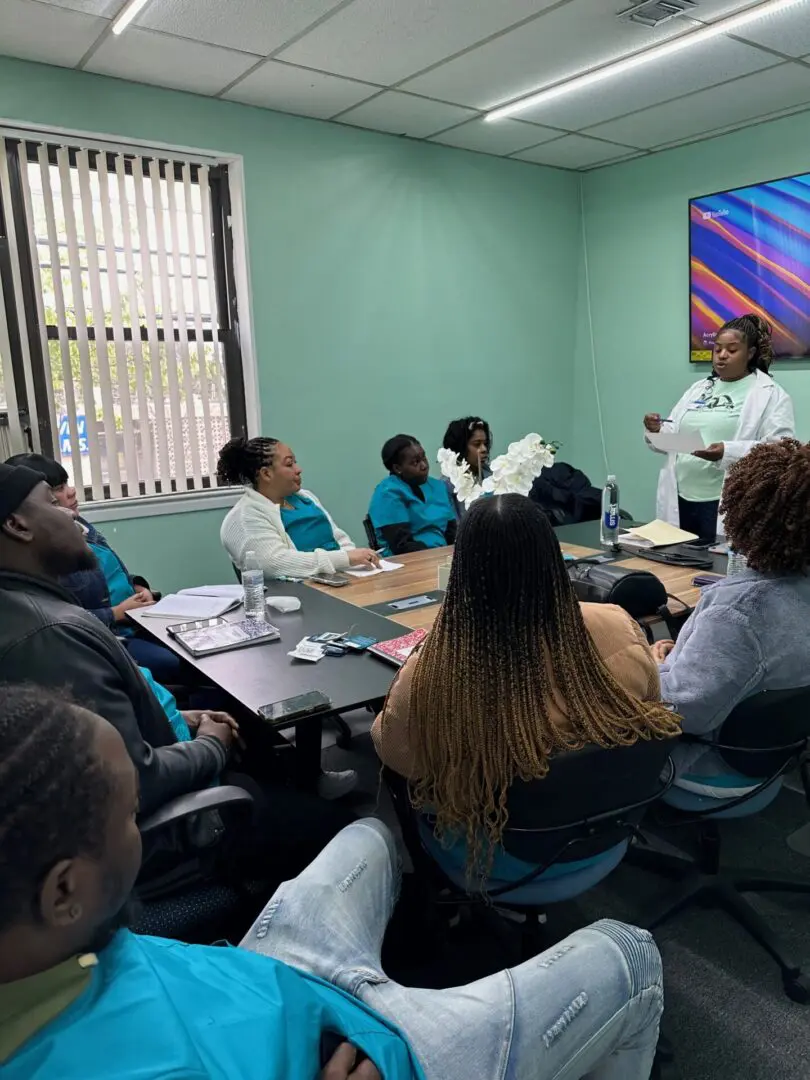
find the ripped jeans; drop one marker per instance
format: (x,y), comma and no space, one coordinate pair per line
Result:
(589,1007)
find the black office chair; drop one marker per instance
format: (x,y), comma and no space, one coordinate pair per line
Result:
(762,739)
(180,893)
(371,536)
(590,804)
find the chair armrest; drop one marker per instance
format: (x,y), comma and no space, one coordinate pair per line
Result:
(195,802)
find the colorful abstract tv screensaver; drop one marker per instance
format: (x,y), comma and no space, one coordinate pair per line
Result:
(750,251)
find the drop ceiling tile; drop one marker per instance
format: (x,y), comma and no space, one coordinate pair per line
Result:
(32,31)
(257,26)
(563,42)
(144,56)
(298,90)
(728,105)
(574,152)
(788,31)
(383,41)
(105,8)
(404,114)
(503,137)
(700,67)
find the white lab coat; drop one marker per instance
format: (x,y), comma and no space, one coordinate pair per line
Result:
(766,416)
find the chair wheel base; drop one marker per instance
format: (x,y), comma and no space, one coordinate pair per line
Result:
(798,989)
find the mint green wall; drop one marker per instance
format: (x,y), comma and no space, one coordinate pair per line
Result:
(395,285)
(638,248)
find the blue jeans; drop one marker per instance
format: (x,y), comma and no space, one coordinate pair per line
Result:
(589,1007)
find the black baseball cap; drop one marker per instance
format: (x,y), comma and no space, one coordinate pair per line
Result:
(16,484)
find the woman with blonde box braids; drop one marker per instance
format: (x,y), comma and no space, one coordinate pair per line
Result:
(514,671)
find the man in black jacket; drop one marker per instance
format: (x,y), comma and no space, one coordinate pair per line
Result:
(45,638)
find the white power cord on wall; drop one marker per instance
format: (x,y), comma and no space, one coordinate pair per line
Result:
(590,324)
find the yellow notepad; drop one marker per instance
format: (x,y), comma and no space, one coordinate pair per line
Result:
(657,534)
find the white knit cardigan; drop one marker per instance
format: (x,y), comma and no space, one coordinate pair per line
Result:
(254,524)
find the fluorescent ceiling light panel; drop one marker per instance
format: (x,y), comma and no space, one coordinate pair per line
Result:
(657,52)
(127,14)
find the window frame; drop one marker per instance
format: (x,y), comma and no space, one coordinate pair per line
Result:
(232,281)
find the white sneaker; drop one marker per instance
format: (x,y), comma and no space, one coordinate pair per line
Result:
(334,785)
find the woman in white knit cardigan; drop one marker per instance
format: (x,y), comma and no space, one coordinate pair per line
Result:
(286,527)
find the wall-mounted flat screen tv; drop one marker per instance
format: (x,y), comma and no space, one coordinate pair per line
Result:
(749,250)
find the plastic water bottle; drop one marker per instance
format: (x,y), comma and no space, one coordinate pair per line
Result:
(609,530)
(253,584)
(736,563)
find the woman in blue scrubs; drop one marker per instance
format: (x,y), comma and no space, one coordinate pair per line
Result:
(410,511)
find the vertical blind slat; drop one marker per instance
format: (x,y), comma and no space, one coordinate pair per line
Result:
(175,407)
(141,174)
(180,304)
(205,198)
(99,324)
(32,243)
(82,339)
(199,346)
(16,284)
(61,319)
(121,366)
(149,469)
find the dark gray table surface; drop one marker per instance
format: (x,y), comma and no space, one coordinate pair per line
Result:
(261,674)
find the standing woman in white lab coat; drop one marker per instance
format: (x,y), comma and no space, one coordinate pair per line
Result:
(737,406)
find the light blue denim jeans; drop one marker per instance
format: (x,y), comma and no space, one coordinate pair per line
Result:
(589,1007)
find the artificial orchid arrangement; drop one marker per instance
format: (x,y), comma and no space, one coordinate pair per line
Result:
(512,473)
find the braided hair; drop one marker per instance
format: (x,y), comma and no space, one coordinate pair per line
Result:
(509,640)
(756,332)
(54,791)
(241,460)
(459,433)
(766,503)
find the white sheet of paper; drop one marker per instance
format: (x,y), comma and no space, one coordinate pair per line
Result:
(235,592)
(385,567)
(677,442)
(175,606)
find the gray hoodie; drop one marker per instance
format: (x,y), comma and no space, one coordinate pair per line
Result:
(749,632)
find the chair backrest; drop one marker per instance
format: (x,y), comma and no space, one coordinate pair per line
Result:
(371,536)
(772,718)
(588,802)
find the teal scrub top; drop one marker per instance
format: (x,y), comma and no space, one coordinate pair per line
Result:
(157,1008)
(394,502)
(307,525)
(167,702)
(118,584)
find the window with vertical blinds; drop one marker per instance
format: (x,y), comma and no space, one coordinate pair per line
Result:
(119,333)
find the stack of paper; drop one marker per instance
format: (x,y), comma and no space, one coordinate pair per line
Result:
(234,592)
(190,606)
(656,534)
(385,567)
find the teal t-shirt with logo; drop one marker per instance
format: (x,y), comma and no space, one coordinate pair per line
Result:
(715,414)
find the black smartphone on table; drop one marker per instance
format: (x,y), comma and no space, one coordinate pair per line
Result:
(291,708)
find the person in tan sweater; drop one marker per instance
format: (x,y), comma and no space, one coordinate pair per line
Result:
(514,670)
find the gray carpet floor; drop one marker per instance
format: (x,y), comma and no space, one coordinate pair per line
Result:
(726,1013)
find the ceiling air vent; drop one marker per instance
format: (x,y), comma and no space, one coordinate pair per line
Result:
(655,12)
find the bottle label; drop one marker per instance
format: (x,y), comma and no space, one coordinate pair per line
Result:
(612,516)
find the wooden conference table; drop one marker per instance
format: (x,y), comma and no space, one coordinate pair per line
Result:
(420,575)
(262,674)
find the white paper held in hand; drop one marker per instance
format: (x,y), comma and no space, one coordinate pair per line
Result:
(676,442)
(385,567)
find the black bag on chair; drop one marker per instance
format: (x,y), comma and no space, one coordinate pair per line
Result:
(639,592)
